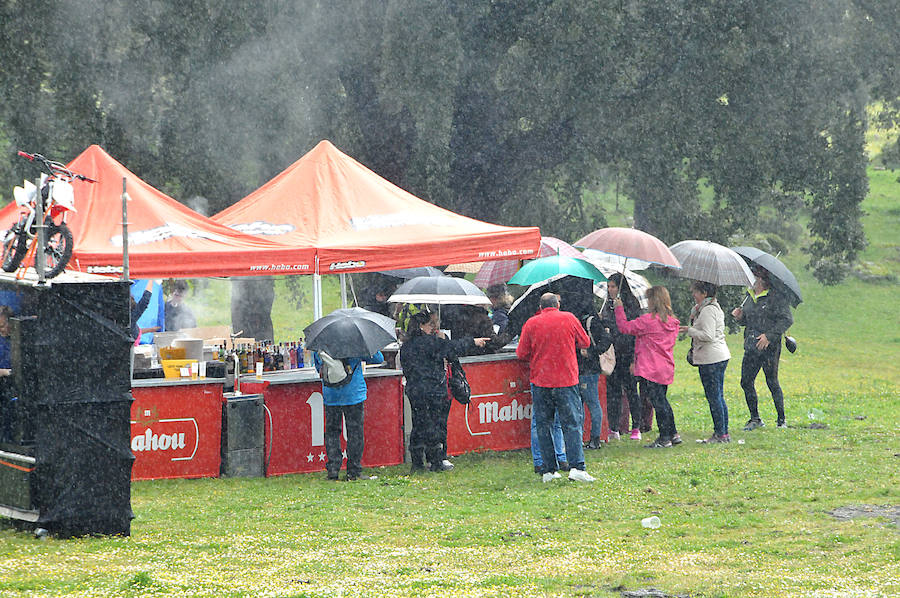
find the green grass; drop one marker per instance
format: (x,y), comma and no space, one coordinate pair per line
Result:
(744,519)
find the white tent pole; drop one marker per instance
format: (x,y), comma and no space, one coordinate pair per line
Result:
(344,290)
(317,292)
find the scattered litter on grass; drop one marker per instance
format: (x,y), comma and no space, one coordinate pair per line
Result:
(741,441)
(849,512)
(650,490)
(818,426)
(859,417)
(815,413)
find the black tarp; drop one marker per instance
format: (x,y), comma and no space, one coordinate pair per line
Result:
(70,350)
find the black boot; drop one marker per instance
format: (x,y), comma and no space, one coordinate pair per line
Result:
(417,459)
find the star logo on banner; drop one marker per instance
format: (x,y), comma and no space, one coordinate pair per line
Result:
(322,456)
(344,454)
(309,458)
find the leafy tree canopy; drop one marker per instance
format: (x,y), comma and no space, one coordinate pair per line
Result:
(712,114)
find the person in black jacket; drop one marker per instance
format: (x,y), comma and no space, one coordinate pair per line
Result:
(765,317)
(422,358)
(621,380)
(589,374)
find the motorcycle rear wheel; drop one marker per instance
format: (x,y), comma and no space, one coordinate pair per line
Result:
(58,250)
(14,247)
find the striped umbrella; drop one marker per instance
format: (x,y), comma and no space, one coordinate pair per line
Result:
(711,262)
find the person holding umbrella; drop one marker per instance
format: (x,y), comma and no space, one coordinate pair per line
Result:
(345,403)
(765,317)
(709,352)
(341,342)
(422,357)
(622,379)
(655,333)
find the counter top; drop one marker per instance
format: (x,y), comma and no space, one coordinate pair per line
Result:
(309,375)
(155,382)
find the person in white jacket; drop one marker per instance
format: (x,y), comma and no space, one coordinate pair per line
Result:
(710,353)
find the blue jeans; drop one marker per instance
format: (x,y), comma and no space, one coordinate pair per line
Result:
(565,402)
(555,432)
(712,376)
(587,388)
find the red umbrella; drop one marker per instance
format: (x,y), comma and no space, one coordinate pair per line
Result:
(630,243)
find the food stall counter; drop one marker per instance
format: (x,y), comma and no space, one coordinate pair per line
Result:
(295,419)
(176,427)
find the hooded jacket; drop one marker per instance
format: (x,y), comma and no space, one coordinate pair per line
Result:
(654,341)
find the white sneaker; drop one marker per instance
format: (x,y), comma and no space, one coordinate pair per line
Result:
(447,464)
(549,477)
(580,475)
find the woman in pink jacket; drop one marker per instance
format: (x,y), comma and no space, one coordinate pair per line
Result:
(655,333)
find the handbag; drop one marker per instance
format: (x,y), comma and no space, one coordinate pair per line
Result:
(459,384)
(608,361)
(690,357)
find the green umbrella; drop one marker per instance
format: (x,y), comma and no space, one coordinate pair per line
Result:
(545,268)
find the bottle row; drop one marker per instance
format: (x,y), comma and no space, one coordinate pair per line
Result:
(274,357)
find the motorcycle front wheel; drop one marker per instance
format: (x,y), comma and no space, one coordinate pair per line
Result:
(14,247)
(58,250)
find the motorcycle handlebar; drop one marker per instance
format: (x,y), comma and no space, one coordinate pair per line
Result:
(55,167)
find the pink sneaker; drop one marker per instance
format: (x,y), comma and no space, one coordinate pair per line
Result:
(636,434)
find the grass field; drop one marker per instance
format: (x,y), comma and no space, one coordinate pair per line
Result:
(751,518)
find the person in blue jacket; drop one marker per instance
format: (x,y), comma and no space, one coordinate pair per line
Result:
(346,403)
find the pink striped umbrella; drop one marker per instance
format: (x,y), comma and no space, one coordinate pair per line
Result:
(499,271)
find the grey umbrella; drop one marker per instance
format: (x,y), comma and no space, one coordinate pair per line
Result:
(442,290)
(711,262)
(779,274)
(351,332)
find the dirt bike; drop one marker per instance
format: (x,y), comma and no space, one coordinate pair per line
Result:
(58,198)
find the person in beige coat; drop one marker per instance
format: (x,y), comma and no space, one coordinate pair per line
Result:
(710,353)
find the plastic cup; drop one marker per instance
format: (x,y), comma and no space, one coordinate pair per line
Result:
(259,369)
(203,369)
(650,522)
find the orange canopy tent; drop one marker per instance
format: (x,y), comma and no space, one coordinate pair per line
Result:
(360,222)
(165,238)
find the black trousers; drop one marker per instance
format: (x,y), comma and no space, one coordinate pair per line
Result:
(352,416)
(429,428)
(766,360)
(621,380)
(665,417)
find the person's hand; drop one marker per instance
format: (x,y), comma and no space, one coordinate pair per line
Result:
(762,342)
(584,352)
(480,342)
(617,302)
(737,312)
(683,329)
(5,372)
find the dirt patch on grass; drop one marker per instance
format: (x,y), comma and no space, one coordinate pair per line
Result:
(649,593)
(848,512)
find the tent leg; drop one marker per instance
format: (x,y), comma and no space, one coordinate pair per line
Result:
(317,296)
(343,290)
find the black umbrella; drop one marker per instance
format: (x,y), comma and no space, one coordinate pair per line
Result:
(576,295)
(351,332)
(412,272)
(778,272)
(442,290)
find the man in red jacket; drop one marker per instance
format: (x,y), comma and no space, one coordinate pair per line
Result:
(549,341)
